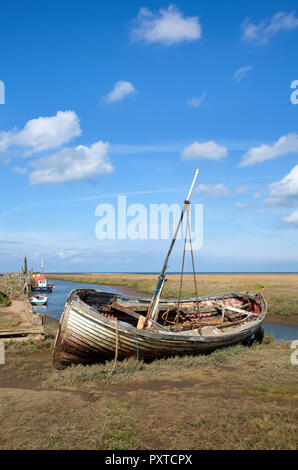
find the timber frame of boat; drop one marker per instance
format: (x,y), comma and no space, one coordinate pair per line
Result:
(93,322)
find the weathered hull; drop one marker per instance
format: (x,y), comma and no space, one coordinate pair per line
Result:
(87,336)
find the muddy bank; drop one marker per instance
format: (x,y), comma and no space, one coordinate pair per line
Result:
(51,322)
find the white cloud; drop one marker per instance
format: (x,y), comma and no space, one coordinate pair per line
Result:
(195,101)
(242,189)
(285,191)
(206,150)
(241,73)
(120,91)
(66,254)
(212,191)
(285,145)
(72,164)
(19,170)
(43,133)
(174,146)
(291,219)
(165,26)
(241,205)
(262,32)
(258,195)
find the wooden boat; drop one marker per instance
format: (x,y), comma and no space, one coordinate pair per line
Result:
(38,300)
(94,321)
(96,326)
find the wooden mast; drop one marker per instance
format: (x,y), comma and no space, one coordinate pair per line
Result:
(153,309)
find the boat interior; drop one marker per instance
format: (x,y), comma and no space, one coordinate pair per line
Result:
(221,312)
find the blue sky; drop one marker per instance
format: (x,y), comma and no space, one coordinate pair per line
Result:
(130,98)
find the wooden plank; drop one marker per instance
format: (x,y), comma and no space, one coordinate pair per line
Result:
(128,311)
(233,309)
(141,322)
(21,331)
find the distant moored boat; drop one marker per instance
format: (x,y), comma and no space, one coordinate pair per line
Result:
(38,300)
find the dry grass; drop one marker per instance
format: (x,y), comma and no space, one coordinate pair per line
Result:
(12,287)
(234,398)
(281,290)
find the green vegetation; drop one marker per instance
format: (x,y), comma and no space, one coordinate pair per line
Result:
(4,300)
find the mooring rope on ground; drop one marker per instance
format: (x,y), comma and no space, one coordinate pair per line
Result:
(114,370)
(117,371)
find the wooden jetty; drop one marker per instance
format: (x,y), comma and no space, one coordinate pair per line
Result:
(18,322)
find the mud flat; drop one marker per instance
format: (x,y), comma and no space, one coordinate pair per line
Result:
(235,398)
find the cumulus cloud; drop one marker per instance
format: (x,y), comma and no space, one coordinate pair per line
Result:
(120,91)
(195,101)
(285,145)
(72,164)
(206,150)
(165,26)
(242,189)
(241,73)
(285,192)
(262,32)
(291,219)
(43,133)
(212,191)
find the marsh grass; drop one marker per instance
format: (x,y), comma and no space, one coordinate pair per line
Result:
(129,369)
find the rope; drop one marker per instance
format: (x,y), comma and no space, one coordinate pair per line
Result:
(194,274)
(182,270)
(188,232)
(116,356)
(113,370)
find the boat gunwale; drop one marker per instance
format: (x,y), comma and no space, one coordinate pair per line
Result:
(74,299)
